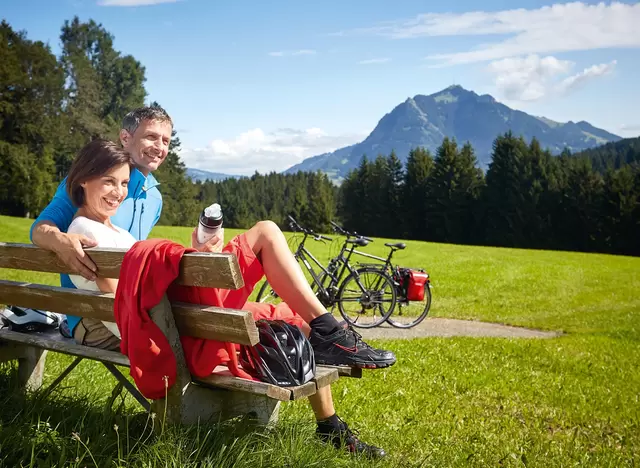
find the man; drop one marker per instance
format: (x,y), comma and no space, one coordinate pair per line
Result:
(146,134)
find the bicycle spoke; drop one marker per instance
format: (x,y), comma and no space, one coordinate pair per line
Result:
(367,298)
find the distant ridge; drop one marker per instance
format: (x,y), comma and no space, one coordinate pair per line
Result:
(456,113)
(201,176)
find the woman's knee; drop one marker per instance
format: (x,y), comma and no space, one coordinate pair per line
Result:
(268,228)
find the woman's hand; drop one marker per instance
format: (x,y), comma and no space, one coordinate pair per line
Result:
(214,244)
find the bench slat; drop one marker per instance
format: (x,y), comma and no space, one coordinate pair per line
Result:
(214,323)
(54,341)
(219,270)
(222,377)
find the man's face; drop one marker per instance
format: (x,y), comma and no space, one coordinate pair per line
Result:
(149,144)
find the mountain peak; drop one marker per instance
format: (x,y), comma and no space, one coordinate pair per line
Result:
(454,89)
(455,112)
(451,94)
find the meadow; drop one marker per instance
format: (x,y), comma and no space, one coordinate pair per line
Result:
(566,401)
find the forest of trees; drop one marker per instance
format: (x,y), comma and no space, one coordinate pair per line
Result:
(51,106)
(528,198)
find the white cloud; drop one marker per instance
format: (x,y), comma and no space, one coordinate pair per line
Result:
(533,77)
(629,130)
(257,150)
(374,61)
(586,75)
(283,53)
(133,3)
(556,28)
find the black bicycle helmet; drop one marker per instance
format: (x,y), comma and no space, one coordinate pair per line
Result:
(283,356)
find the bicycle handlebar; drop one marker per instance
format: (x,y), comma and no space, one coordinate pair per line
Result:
(340,230)
(296,227)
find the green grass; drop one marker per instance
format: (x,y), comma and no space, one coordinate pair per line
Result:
(567,401)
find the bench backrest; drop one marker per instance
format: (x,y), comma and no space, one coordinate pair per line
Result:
(220,270)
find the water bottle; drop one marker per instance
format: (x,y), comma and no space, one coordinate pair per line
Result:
(209,223)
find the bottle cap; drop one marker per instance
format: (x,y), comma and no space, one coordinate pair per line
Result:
(213,211)
(211,216)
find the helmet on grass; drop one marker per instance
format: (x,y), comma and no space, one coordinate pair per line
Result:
(23,319)
(283,356)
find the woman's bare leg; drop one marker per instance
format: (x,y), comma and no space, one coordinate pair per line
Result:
(282,270)
(332,344)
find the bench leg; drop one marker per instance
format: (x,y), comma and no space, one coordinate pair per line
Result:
(188,403)
(122,380)
(31,368)
(61,377)
(203,404)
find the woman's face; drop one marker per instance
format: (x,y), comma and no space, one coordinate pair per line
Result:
(104,194)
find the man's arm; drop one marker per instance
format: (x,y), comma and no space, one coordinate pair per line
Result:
(47,232)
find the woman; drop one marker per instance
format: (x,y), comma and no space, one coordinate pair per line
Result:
(97,184)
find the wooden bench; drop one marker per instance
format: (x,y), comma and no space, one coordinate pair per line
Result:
(218,396)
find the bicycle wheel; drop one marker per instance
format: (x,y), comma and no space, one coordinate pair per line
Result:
(408,314)
(267,295)
(369,294)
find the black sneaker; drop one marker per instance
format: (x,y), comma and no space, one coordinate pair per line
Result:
(346,348)
(345,437)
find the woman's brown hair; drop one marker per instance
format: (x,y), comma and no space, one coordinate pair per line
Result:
(93,161)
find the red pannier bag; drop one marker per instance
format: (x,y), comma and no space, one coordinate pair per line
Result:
(415,289)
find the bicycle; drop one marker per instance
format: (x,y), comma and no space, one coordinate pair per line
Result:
(367,289)
(406,309)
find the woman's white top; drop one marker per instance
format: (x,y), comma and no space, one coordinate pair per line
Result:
(105,237)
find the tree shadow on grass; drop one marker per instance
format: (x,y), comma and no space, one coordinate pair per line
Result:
(77,429)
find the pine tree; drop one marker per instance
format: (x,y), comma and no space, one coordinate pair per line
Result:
(453,190)
(419,168)
(620,202)
(503,201)
(395,219)
(320,210)
(578,225)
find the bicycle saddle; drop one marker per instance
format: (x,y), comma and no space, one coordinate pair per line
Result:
(398,245)
(359,241)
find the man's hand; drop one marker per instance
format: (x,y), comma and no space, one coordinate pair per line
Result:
(214,244)
(69,248)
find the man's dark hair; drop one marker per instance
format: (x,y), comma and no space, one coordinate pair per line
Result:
(93,161)
(133,119)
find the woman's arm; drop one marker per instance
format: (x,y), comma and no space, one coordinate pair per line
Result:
(108,285)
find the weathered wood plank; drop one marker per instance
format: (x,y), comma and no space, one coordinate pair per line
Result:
(10,351)
(236,326)
(219,270)
(214,323)
(171,407)
(190,403)
(53,341)
(303,391)
(325,376)
(346,371)
(31,368)
(223,378)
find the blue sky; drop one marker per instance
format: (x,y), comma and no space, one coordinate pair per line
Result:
(262,85)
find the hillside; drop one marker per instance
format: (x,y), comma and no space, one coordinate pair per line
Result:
(457,113)
(613,155)
(198,175)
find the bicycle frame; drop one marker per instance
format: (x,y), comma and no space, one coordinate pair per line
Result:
(303,254)
(386,261)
